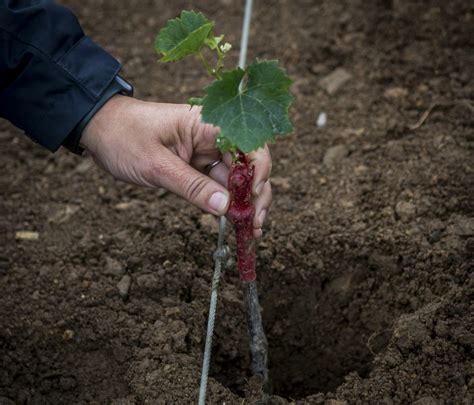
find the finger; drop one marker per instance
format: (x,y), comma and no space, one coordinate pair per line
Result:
(176,175)
(227,159)
(262,205)
(262,161)
(220,173)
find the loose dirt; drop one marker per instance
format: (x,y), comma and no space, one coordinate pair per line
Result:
(365,269)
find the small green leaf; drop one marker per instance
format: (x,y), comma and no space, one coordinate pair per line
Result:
(183,36)
(213,42)
(195,101)
(257,114)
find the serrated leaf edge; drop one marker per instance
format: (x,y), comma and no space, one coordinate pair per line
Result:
(164,58)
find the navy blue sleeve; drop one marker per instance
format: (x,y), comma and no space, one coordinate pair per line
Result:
(51,75)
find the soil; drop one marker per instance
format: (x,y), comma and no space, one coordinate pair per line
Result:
(365,269)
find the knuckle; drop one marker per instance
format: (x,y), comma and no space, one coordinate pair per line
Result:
(194,187)
(150,169)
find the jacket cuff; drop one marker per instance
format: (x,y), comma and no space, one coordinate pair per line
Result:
(118,85)
(51,97)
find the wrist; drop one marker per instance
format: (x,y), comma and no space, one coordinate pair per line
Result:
(117,86)
(99,125)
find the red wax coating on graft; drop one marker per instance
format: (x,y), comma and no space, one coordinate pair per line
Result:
(241,212)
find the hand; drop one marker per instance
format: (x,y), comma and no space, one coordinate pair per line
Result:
(167,145)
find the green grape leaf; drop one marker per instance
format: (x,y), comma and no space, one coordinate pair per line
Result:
(182,36)
(195,101)
(255,115)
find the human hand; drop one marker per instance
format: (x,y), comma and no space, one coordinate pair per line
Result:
(167,145)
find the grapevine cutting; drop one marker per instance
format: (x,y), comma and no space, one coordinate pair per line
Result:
(250,107)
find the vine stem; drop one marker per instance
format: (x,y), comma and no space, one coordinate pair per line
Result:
(211,71)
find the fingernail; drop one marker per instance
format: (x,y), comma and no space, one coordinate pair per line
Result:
(261,216)
(259,187)
(218,202)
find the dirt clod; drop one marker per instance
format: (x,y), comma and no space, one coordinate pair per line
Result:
(405,210)
(335,80)
(123,286)
(335,154)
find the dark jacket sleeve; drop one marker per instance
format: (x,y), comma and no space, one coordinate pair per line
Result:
(51,75)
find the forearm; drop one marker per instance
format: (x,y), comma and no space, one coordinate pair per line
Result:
(51,75)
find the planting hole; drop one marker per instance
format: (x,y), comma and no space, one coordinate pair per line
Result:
(318,332)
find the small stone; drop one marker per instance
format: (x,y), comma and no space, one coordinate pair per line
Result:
(322,120)
(281,182)
(122,206)
(147,281)
(84,166)
(113,267)
(126,205)
(335,80)
(123,286)
(334,154)
(346,203)
(63,214)
(209,222)
(318,68)
(68,335)
(26,235)
(405,210)
(395,92)
(361,169)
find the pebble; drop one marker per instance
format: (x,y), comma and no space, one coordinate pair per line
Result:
(84,166)
(335,80)
(26,235)
(63,214)
(113,267)
(68,334)
(334,154)
(123,286)
(281,182)
(209,222)
(395,92)
(405,210)
(147,281)
(322,120)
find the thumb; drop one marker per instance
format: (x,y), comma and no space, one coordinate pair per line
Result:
(180,178)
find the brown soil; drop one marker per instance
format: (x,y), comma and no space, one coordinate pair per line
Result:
(365,270)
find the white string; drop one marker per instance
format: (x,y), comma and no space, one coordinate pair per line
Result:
(220,256)
(222,252)
(244,42)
